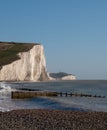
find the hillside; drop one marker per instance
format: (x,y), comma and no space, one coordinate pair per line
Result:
(62,76)
(9,51)
(59,75)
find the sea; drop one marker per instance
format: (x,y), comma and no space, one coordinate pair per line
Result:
(74,103)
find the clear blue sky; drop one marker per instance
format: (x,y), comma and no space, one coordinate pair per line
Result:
(73,32)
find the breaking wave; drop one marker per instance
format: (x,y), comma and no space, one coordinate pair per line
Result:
(5,90)
(5,97)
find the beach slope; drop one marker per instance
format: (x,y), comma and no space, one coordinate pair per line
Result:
(52,120)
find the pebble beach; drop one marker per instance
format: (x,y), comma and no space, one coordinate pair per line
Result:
(38,119)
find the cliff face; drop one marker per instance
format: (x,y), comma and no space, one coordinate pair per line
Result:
(30,67)
(62,76)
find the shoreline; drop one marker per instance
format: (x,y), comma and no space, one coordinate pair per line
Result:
(45,81)
(43,119)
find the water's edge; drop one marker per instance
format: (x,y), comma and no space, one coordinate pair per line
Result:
(94,87)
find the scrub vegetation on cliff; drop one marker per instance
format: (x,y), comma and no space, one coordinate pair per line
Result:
(9,51)
(59,75)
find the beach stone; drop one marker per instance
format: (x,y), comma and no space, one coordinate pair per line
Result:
(52,120)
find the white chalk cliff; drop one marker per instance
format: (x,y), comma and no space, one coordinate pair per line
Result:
(30,67)
(62,76)
(69,77)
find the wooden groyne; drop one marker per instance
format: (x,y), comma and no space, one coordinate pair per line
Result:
(79,95)
(27,89)
(27,94)
(32,94)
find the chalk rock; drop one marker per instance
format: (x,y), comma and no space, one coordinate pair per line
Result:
(68,77)
(30,67)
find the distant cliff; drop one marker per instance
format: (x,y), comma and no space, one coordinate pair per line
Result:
(22,62)
(62,76)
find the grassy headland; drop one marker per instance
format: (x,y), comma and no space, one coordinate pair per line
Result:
(9,51)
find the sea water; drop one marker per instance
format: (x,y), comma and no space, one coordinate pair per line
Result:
(93,87)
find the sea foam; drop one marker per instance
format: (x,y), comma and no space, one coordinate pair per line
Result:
(5,90)
(5,96)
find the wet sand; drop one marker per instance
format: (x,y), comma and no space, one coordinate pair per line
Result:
(52,120)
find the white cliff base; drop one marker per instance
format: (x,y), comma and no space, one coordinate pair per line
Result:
(30,67)
(69,77)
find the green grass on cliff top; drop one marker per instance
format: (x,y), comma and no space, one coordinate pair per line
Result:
(9,51)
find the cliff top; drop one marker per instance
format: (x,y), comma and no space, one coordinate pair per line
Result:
(9,51)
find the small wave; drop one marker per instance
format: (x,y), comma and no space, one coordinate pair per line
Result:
(4,109)
(5,89)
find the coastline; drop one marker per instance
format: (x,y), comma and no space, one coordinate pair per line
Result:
(43,119)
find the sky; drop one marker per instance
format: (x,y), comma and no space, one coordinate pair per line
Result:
(73,32)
